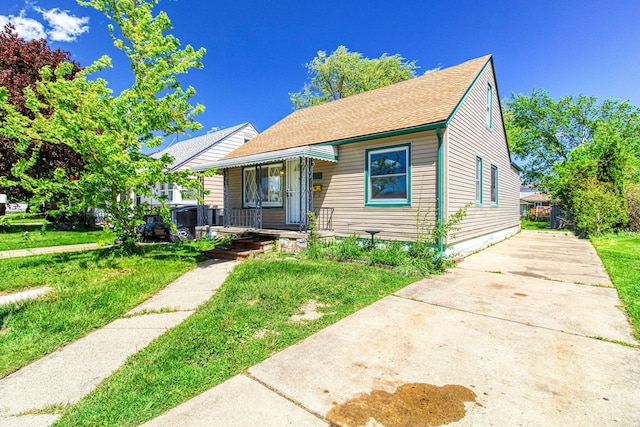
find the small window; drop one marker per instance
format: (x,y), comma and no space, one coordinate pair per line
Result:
(494,185)
(489,106)
(166,190)
(388,176)
(270,185)
(478,180)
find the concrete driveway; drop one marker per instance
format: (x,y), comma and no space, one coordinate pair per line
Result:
(526,333)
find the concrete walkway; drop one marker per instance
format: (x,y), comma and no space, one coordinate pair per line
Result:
(73,371)
(520,334)
(48,250)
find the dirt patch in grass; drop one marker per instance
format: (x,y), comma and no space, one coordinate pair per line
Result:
(414,404)
(309,311)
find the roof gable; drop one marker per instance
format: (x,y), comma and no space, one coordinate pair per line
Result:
(186,150)
(423,100)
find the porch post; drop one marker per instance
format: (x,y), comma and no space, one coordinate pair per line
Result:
(301,200)
(257,220)
(306,194)
(226,220)
(309,187)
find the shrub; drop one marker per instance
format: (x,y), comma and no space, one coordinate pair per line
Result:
(599,208)
(632,193)
(349,248)
(391,253)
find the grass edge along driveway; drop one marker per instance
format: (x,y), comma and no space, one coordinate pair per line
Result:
(620,254)
(245,322)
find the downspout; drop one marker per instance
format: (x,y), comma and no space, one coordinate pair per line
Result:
(440,173)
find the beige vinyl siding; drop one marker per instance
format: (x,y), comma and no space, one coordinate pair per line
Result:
(215,186)
(343,188)
(467,137)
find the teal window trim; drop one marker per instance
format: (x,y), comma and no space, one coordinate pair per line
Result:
(489,106)
(494,185)
(478,180)
(367,190)
(265,204)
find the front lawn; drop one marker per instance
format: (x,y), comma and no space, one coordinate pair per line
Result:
(89,289)
(245,322)
(620,255)
(26,236)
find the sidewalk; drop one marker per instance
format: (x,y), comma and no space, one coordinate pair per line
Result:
(48,250)
(73,371)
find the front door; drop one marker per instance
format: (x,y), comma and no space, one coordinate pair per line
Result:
(293,211)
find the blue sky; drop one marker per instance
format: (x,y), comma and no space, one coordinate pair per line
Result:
(256,50)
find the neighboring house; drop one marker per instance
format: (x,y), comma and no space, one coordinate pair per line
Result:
(433,144)
(196,151)
(536,203)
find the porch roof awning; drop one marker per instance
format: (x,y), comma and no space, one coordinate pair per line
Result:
(321,152)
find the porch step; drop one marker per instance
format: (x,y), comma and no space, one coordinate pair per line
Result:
(252,244)
(233,253)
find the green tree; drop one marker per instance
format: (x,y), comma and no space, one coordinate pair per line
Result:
(20,64)
(584,153)
(591,182)
(542,131)
(109,131)
(345,73)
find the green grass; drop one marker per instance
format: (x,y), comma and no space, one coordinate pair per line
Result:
(527,224)
(245,322)
(89,289)
(26,236)
(620,255)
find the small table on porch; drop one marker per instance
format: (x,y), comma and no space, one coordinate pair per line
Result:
(373,233)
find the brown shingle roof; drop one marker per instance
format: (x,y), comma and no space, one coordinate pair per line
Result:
(423,100)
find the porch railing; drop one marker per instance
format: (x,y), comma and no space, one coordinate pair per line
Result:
(324,219)
(244,218)
(251,218)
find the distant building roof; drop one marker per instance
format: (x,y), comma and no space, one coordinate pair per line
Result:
(536,197)
(424,100)
(186,150)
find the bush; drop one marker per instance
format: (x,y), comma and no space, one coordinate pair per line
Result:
(392,253)
(599,208)
(349,248)
(632,193)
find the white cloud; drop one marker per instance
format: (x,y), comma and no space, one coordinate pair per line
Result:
(26,28)
(432,70)
(63,26)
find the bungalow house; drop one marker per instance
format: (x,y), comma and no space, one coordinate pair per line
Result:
(536,203)
(433,144)
(190,153)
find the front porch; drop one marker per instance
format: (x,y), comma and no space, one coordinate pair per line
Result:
(276,190)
